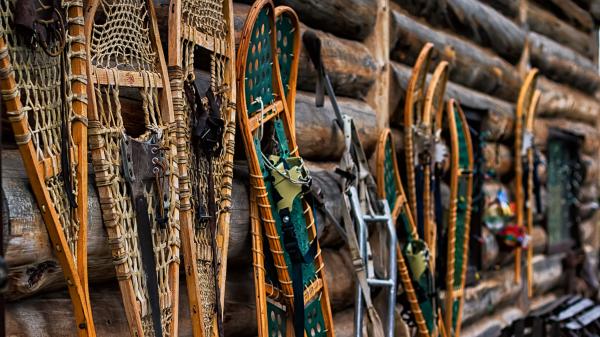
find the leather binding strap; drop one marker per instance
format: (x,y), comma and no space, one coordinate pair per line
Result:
(207,135)
(201,59)
(144,162)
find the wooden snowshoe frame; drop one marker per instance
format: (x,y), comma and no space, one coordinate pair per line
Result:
(205,25)
(125,57)
(525,110)
(459,212)
(35,108)
(389,186)
(288,55)
(262,105)
(413,109)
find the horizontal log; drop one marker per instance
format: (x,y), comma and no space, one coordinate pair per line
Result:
(319,138)
(588,229)
(588,210)
(343,323)
(563,64)
(470,65)
(502,317)
(498,158)
(510,8)
(591,142)
(498,115)
(351,19)
(592,169)
(595,10)
(547,24)
(51,313)
(588,193)
(33,269)
(474,20)
(559,100)
(350,65)
(498,290)
(573,13)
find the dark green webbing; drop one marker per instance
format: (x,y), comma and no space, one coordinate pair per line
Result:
(285,48)
(259,83)
(391,185)
(259,71)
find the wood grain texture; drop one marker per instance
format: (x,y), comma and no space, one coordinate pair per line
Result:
(560,100)
(351,19)
(474,20)
(572,12)
(510,8)
(563,64)
(319,138)
(470,65)
(350,65)
(544,22)
(33,269)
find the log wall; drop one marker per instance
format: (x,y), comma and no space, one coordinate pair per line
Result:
(369,47)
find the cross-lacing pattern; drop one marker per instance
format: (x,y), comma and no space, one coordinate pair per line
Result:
(206,17)
(121,40)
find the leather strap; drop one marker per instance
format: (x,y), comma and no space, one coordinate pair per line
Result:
(360,269)
(207,134)
(65,148)
(312,44)
(292,247)
(144,229)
